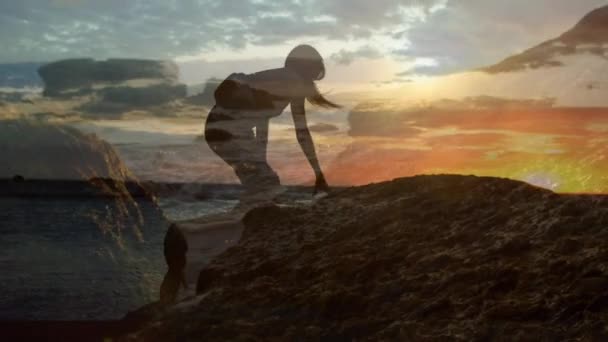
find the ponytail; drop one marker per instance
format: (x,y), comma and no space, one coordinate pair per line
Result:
(319,100)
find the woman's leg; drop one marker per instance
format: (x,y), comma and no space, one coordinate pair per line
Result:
(267,176)
(233,140)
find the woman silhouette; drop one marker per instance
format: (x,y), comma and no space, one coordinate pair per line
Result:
(237,126)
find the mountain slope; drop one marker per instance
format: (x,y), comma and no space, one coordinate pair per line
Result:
(589,35)
(417,259)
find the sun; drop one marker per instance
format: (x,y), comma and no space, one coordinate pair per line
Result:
(543,180)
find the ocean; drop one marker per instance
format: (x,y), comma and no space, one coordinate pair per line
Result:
(77,259)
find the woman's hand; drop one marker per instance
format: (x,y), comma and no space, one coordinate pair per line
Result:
(321,184)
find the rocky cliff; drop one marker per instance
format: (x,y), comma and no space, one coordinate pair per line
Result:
(417,259)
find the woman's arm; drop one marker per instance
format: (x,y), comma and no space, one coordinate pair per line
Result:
(305,141)
(261,135)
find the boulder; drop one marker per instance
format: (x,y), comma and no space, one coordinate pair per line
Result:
(37,150)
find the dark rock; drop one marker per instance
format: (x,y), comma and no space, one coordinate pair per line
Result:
(363,264)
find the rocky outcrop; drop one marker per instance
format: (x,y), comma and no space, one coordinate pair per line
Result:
(417,259)
(590,35)
(37,150)
(59,160)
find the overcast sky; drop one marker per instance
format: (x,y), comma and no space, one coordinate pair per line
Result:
(381,40)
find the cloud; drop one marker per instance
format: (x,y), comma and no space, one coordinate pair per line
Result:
(457,34)
(35,30)
(467,34)
(387,119)
(346,57)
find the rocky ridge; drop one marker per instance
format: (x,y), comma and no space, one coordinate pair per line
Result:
(426,258)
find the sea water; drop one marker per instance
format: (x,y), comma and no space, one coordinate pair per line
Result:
(64,259)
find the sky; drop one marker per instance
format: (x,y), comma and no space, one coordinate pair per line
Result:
(363,41)
(544,126)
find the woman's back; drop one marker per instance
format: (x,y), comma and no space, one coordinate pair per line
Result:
(237,127)
(280,82)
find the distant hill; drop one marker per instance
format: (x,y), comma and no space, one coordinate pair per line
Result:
(20,75)
(588,36)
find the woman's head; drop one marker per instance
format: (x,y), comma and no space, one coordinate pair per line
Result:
(307,62)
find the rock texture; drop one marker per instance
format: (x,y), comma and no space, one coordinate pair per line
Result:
(456,258)
(589,35)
